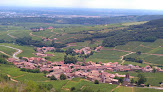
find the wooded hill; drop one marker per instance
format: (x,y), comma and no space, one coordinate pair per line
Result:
(147,32)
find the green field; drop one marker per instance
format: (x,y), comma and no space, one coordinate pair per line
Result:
(136,89)
(28,51)
(106,56)
(7,50)
(57,56)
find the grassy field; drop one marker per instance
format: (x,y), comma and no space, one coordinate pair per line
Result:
(145,47)
(106,56)
(58,85)
(146,90)
(82,84)
(57,56)
(149,58)
(27,50)
(134,23)
(136,89)
(124,89)
(6,50)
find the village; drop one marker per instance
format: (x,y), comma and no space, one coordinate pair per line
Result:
(89,70)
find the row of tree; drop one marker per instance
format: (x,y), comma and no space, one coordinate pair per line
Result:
(30,70)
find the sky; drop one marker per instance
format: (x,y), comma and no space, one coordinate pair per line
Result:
(119,4)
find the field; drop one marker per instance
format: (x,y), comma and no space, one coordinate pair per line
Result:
(106,56)
(40,79)
(27,50)
(66,33)
(147,49)
(57,57)
(135,89)
(152,78)
(6,50)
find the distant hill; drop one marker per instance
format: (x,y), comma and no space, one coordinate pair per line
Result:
(81,20)
(147,32)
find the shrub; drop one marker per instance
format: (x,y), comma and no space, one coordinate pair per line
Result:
(96,82)
(53,77)
(62,77)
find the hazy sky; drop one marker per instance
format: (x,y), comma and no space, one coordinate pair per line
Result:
(131,4)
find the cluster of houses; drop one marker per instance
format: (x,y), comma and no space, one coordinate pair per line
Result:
(40,29)
(87,50)
(41,51)
(44,49)
(89,70)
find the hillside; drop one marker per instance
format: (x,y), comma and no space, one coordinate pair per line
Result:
(147,32)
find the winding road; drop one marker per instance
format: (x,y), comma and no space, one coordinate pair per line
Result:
(16,53)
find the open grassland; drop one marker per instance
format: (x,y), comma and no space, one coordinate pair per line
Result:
(27,50)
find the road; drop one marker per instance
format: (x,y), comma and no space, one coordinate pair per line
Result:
(124,56)
(18,51)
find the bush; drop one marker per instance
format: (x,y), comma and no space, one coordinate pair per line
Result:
(62,77)
(73,88)
(53,77)
(96,82)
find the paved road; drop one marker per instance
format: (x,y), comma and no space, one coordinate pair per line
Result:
(16,53)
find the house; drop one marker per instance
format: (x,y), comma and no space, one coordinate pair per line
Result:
(98,49)
(161,85)
(36,60)
(50,27)
(40,54)
(11,59)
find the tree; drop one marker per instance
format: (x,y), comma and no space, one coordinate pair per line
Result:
(82,52)
(62,77)
(120,80)
(4,56)
(68,60)
(91,53)
(154,70)
(31,87)
(53,77)
(132,81)
(96,82)
(141,79)
(73,88)
(138,52)
(72,67)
